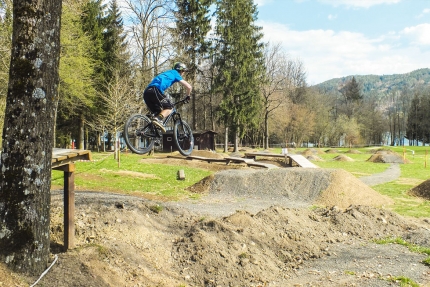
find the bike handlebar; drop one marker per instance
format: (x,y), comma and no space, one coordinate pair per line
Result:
(186,100)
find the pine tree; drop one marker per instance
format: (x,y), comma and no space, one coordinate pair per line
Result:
(93,23)
(239,60)
(116,57)
(352,96)
(192,27)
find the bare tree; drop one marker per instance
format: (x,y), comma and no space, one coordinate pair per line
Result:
(25,167)
(274,87)
(149,31)
(119,103)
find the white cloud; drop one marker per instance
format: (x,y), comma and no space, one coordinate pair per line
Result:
(425,11)
(418,35)
(327,54)
(358,3)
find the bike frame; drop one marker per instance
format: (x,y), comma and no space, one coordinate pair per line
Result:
(174,115)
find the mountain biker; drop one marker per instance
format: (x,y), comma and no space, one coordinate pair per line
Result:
(154,96)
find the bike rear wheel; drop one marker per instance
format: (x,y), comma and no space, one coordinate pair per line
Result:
(137,134)
(183,136)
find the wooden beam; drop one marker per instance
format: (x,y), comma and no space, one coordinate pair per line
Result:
(69,207)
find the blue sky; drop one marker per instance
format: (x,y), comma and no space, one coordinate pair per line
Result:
(337,38)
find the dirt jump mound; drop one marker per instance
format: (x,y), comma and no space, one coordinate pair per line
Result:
(421,190)
(327,187)
(342,157)
(386,156)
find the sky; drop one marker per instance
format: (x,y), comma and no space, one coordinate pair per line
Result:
(338,38)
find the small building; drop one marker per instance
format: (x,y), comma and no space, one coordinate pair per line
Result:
(202,140)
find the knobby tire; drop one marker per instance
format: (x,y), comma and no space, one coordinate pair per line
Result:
(183,137)
(136,134)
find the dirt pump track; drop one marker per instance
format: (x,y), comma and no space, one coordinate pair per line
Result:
(261,235)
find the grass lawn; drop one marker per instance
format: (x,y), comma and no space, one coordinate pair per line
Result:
(131,176)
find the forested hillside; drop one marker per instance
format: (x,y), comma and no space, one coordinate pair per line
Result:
(381,84)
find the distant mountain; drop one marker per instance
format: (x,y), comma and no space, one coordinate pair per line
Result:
(381,84)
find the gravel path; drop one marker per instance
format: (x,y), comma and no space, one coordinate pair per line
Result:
(390,174)
(363,264)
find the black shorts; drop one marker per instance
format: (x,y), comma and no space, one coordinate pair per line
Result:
(155,100)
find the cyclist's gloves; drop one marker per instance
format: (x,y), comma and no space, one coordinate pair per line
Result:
(187,99)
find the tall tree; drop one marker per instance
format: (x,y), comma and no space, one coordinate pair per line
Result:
(93,23)
(25,167)
(192,26)
(239,61)
(116,57)
(351,96)
(77,90)
(149,23)
(414,120)
(275,84)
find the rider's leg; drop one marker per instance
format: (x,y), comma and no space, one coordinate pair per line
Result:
(165,113)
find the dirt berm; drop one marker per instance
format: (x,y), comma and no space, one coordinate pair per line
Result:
(253,190)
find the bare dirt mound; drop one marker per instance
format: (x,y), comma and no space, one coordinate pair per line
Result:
(326,187)
(311,151)
(342,157)
(353,151)
(314,158)
(421,190)
(207,153)
(135,246)
(386,156)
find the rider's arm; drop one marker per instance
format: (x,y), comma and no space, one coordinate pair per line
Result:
(187,86)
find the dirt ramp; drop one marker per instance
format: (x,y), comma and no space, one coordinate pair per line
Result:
(345,190)
(313,186)
(386,156)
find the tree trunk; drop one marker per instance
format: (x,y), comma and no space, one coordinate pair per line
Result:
(236,142)
(226,140)
(81,132)
(266,131)
(25,167)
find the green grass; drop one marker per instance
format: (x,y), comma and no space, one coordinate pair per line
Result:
(132,176)
(404,281)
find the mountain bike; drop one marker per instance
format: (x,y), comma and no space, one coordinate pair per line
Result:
(140,134)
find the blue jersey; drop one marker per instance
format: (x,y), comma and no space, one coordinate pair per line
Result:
(165,80)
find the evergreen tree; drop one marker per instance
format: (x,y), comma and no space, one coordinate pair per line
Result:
(192,26)
(239,61)
(93,24)
(116,57)
(351,96)
(77,93)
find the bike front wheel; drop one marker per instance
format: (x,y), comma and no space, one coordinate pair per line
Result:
(183,137)
(137,134)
